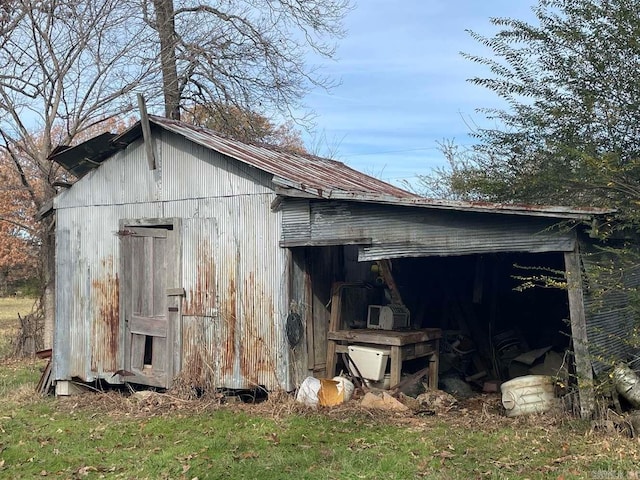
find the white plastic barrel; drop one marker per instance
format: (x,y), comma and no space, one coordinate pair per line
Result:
(528,394)
(308,392)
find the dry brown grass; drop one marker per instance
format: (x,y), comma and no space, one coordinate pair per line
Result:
(479,412)
(10,308)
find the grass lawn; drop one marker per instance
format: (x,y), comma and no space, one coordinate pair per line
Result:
(153,435)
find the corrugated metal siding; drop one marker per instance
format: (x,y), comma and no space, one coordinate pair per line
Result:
(188,172)
(123,179)
(185,171)
(235,282)
(233,271)
(296,219)
(611,322)
(87,333)
(408,232)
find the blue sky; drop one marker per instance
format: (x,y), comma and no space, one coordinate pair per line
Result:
(404,83)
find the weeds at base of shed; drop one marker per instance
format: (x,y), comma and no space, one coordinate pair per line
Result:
(480,412)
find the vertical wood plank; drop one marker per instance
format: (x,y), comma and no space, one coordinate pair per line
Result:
(434,365)
(321,267)
(126,299)
(579,333)
(308,309)
(147,278)
(159,276)
(146,132)
(159,361)
(396,365)
(334,325)
(174,317)
(137,351)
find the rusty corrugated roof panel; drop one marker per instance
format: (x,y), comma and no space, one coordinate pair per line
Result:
(316,173)
(308,175)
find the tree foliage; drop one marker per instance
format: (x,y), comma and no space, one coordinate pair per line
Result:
(19,239)
(246,126)
(570,129)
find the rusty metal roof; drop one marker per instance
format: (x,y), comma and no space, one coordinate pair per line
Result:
(298,174)
(316,174)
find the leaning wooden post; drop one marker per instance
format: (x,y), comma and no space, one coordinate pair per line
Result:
(584,369)
(334,326)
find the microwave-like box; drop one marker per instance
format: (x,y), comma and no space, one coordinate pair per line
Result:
(388,317)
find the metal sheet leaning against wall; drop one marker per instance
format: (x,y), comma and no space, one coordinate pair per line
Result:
(236,302)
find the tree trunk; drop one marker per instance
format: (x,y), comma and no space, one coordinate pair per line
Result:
(48,285)
(166,30)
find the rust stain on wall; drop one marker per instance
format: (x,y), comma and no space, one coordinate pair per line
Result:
(192,363)
(105,332)
(201,300)
(258,334)
(229,317)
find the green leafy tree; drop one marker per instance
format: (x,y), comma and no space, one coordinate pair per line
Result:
(569,133)
(570,129)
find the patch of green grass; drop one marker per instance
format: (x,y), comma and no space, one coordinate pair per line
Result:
(112,436)
(19,375)
(38,438)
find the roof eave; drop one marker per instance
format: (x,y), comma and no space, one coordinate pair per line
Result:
(287,188)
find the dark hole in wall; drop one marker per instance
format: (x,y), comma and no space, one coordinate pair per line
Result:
(148,350)
(442,291)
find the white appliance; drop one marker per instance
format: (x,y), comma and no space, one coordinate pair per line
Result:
(371,362)
(388,317)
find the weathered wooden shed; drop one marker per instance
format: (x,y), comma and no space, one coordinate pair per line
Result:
(181,254)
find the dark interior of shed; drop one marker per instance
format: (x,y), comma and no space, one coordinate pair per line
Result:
(494,328)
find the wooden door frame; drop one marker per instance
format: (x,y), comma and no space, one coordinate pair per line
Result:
(174,293)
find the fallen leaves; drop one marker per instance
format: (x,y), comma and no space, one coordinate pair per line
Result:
(246,456)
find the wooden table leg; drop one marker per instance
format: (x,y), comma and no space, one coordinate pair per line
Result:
(331,358)
(434,365)
(396,365)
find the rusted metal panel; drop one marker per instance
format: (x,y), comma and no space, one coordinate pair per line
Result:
(105,335)
(319,173)
(235,294)
(290,188)
(408,232)
(87,337)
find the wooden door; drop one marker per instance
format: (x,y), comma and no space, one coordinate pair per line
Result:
(325,266)
(148,334)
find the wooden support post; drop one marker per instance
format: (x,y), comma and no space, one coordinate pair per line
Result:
(146,133)
(584,369)
(434,365)
(396,365)
(334,326)
(385,270)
